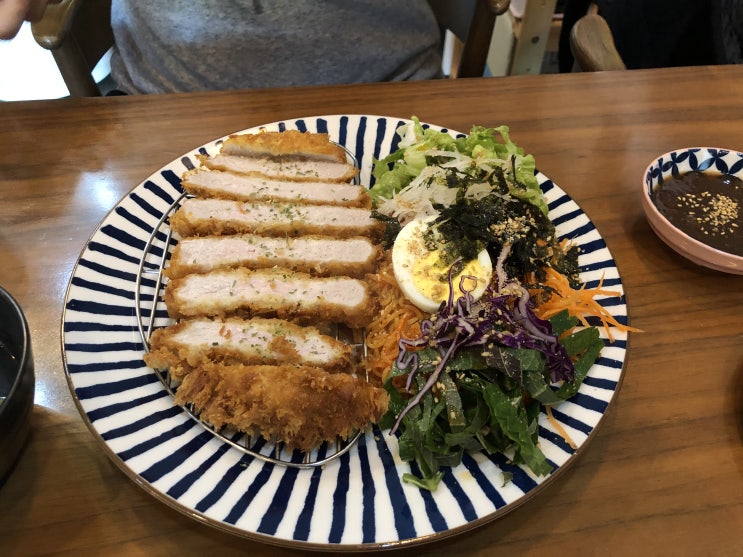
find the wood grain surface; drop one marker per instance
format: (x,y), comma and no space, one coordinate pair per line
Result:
(664,472)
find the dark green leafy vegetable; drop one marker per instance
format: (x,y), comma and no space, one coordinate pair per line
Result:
(476,384)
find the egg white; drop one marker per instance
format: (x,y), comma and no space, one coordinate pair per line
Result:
(426,285)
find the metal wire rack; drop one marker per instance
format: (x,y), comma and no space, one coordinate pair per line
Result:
(152,314)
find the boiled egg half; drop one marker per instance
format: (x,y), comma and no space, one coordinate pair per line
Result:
(422,274)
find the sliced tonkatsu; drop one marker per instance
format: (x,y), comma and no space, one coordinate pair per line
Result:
(271,292)
(192,342)
(200,217)
(273,246)
(241,187)
(317,255)
(284,144)
(297,169)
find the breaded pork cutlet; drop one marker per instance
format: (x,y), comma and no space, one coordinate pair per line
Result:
(228,185)
(191,342)
(317,255)
(271,292)
(284,144)
(301,406)
(299,170)
(203,217)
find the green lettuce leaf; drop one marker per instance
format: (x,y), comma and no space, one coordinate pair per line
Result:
(512,418)
(488,145)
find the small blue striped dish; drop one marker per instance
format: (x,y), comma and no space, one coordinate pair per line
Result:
(359,500)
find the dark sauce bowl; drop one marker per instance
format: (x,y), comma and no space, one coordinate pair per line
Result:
(675,163)
(17,382)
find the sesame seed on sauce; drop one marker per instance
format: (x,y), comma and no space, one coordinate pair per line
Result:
(706,206)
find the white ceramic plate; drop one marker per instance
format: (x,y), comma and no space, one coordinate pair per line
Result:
(359,500)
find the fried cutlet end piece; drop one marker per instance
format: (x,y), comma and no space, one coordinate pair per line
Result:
(301,406)
(286,143)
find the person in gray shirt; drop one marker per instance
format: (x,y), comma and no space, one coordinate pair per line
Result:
(164,46)
(171,46)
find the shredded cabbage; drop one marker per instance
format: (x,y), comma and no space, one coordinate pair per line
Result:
(476,155)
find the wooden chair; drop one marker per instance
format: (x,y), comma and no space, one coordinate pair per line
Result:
(78,33)
(472,22)
(592,44)
(534,27)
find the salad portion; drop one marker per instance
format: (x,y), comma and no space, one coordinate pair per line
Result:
(489,325)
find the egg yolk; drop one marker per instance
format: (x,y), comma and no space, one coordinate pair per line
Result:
(430,276)
(421,268)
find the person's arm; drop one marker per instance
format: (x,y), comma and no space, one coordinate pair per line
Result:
(14,12)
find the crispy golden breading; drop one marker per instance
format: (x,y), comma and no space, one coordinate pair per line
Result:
(286,143)
(299,405)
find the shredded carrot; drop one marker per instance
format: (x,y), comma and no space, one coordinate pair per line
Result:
(579,303)
(558,427)
(397,318)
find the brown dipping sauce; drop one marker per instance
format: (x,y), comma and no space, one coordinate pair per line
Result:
(707,207)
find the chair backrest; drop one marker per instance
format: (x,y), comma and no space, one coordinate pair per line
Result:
(78,33)
(472,22)
(592,44)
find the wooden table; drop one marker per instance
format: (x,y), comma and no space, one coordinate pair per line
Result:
(664,473)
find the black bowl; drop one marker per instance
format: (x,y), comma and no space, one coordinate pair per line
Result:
(17,382)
